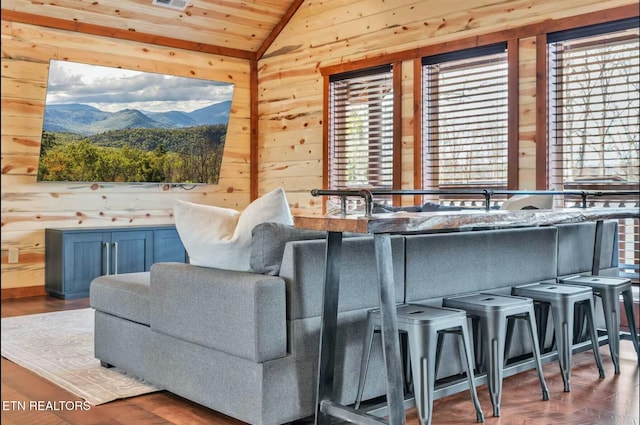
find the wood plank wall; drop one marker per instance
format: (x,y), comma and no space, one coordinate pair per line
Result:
(290,107)
(337,33)
(29,207)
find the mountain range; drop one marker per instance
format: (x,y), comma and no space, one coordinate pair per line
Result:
(87,120)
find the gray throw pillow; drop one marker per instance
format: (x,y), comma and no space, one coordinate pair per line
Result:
(267,245)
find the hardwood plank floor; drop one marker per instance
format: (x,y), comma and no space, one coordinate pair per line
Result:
(613,400)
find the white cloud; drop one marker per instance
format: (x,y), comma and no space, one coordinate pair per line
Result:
(113,89)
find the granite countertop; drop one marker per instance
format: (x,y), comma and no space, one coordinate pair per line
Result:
(426,222)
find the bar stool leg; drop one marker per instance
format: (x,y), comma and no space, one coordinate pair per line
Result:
(627,295)
(541,310)
(408,384)
(364,364)
(478,349)
(493,334)
(610,306)
(439,346)
(466,347)
(562,312)
(542,319)
(511,323)
(423,366)
(536,352)
(579,331)
(593,333)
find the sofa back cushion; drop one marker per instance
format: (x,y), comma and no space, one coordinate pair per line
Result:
(268,241)
(303,267)
(458,262)
(576,242)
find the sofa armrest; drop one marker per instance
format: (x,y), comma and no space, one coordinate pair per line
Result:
(238,313)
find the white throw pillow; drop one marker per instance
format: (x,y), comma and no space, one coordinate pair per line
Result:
(221,237)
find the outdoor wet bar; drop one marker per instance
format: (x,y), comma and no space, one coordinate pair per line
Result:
(471,259)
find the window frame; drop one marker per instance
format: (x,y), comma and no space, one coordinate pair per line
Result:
(567,35)
(513,36)
(545,152)
(512,85)
(394,68)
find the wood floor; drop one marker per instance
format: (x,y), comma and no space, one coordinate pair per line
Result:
(592,401)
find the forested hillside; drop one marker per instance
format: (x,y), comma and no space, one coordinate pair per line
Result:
(185,155)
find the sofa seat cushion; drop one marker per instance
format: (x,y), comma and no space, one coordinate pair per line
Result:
(124,295)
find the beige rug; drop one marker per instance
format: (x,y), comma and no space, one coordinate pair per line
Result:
(59,347)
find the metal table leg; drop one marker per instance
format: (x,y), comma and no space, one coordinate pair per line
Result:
(389,328)
(328,325)
(325,406)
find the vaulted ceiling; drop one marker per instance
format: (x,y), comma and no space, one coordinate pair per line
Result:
(238,28)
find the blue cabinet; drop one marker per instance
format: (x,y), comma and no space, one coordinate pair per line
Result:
(74,257)
(167,246)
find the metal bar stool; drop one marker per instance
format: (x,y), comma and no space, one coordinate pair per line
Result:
(609,290)
(493,311)
(424,326)
(563,299)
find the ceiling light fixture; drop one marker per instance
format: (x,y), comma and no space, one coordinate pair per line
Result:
(173,4)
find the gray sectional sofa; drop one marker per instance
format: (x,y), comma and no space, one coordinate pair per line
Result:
(245,343)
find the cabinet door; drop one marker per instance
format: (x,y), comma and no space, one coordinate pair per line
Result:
(167,247)
(131,251)
(84,260)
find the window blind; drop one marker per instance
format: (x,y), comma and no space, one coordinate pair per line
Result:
(465,120)
(594,110)
(594,117)
(361,129)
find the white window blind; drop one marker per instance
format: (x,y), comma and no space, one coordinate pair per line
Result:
(594,117)
(361,129)
(465,120)
(594,97)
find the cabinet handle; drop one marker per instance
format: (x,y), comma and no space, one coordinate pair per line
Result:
(108,247)
(115,244)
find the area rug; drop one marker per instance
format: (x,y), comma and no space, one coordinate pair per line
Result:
(59,347)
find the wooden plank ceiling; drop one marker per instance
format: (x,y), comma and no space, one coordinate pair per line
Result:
(237,28)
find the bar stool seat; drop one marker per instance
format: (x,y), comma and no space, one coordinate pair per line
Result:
(609,290)
(563,299)
(423,325)
(493,311)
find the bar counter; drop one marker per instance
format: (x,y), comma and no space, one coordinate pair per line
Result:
(463,220)
(382,226)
